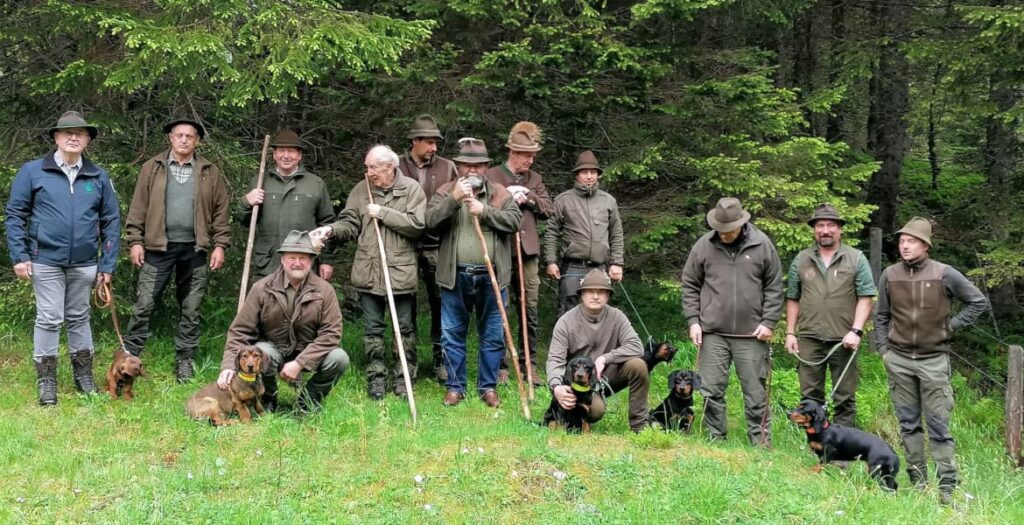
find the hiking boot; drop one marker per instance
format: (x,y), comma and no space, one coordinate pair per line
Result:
(81,366)
(946,496)
(377,388)
(918,477)
(46,370)
(183,369)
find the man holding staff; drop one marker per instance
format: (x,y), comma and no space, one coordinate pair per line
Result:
(462,271)
(398,203)
(291,199)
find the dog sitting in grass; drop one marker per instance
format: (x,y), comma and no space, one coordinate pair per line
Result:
(581,376)
(122,373)
(676,411)
(243,392)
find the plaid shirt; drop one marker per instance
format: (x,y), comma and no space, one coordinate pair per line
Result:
(181,172)
(71,170)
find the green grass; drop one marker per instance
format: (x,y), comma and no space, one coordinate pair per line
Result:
(90,460)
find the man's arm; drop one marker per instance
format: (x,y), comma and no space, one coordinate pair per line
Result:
(328,335)
(135,223)
(110,226)
(557,351)
(616,240)
(975,303)
(409,224)
(882,315)
(441,208)
(244,329)
(772,279)
(552,235)
(350,221)
(506,219)
(539,201)
(221,210)
(19,209)
(692,282)
(629,341)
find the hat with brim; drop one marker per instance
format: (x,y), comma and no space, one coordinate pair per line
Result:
(587,161)
(472,151)
(596,279)
(425,127)
(297,242)
(918,227)
(826,212)
(728,215)
(287,138)
(199,127)
(74,120)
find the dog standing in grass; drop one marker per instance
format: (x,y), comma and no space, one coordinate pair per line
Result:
(243,392)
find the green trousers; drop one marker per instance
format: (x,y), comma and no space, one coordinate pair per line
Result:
(916,386)
(717,354)
(812,378)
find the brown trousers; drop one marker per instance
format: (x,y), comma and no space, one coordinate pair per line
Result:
(633,374)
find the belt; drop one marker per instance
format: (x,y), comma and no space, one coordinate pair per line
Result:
(472,269)
(582,262)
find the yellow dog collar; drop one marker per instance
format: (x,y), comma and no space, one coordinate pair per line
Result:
(248,378)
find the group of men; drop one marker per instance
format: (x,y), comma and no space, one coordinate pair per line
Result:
(444,222)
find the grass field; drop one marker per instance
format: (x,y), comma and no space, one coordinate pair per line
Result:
(90,460)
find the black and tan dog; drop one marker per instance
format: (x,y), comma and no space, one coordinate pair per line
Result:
(655,353)
(838,443)
(676,411)
(243,392)
(581,376)
(122,373)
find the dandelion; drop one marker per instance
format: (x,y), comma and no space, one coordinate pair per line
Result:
(188,476)
(418,478)
(259,453)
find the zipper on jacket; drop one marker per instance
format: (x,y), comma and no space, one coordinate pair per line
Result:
(913,315)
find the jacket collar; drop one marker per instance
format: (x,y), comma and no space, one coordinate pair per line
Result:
(279,282)
(88,168)
(199,162)
(918,264)
(412,160)
(584,191)
(300,171)
(399,188)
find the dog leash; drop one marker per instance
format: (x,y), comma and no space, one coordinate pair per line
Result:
(103,298)
(835,383)
(635,312)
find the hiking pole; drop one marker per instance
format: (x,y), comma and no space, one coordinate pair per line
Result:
(504,318)
(391,305)
(522,316)
(252,227)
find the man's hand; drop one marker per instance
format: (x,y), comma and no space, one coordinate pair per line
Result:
(462,190)
(102,278)
(851,341)
(319,235)
(326,272)
(791,344)
(599,365)
(373,210)
(475,207)
(217,258)
(554,272)
(762,333)
(615,272)
(224,379)
(255,197)
(696,335)
(291,371)
(138,255)
(566,399)
(23,270)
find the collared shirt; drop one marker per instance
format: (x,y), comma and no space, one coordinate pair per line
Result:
(71,170)
(183,171)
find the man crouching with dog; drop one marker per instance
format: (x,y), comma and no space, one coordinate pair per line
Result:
(293,316)
(603,333)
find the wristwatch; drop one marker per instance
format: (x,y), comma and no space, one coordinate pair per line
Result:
(858,331)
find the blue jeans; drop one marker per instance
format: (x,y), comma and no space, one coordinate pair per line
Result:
(471,292)
(62,296)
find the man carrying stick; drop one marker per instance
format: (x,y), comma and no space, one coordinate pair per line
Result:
(399,205)
(462,272)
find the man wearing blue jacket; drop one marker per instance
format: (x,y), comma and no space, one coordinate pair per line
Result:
(63,227)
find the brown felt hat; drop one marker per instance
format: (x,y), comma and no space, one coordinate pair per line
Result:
(587,161)
(424,126)
(287,138)
(918,227)
(728,215)
(200,130)
(297,242)
(525,136)
(826,211)
(72,120)
(472,151)
(596,279)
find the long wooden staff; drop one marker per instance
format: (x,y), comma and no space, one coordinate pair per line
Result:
(509,343)
(391,305)
(522,316)
(252,227)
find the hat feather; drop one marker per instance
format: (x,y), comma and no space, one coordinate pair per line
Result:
(529,128)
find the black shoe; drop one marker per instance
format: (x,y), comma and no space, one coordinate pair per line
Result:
(81,366)
(377,388)
(46,369)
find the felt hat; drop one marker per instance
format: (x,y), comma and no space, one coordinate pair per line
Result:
(287,138)
(596,279)
(728,215)
(826,211)
(424,126)
(72,120)
(472,151)
(918,227)
(297,242)
(525,136)
(199,127)
(587,161)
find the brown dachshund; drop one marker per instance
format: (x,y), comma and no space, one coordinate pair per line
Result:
(122,373)
(243,392)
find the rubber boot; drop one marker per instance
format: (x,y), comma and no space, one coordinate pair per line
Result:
(81,366)
(46,370)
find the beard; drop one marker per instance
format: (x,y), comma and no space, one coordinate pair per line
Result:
(826,242)
(297,274)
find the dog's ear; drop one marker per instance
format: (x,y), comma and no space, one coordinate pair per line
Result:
(818,417)
(696,381)
(238,357)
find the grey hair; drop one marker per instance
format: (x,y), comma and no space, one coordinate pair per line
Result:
(384,154)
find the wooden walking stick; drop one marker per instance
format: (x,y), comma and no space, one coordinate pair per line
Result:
(504,318)
(252,227)
(522,316)
(391,305)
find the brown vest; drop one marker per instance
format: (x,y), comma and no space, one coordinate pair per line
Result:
(439,172)
(919,307)
(827,302)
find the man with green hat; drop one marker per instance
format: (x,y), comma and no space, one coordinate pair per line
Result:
(531,195)
(913,327)
(292,315)
(829,300)
(63,234)
(603,333)
(431,170)
(177,226)
(585,232)
(732,299)
(291,198)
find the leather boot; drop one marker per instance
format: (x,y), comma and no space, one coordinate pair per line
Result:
(81,366)
(46,370)
(183,366)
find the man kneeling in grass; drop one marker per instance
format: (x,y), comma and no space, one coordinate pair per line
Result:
(290,314)
(602,333)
